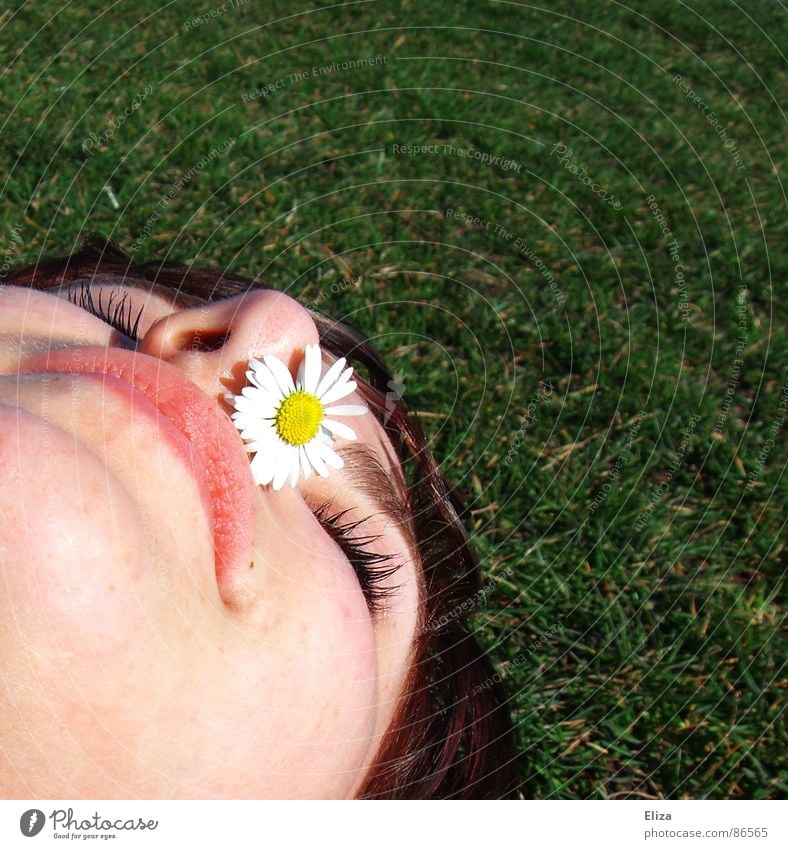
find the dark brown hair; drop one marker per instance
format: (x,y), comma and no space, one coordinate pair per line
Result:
(451,736)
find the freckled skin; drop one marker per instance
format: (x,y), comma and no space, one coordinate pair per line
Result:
(127,670)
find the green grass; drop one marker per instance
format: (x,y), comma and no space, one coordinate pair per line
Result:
(659,673)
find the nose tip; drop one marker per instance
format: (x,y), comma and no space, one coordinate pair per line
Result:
(214,342)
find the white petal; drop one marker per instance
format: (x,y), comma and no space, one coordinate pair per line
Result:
(255,429)
(338,391)
(254,433)
(263,467)
(262,433)
(346,410)
(243,421)
(306,466)
(312,450)
(265,381)
(331,376)
(338,429)
(328,456)
(255,394)
(279,370)
(309,371)
(259,407)
(331,457)
(324,436)
(295,473)
(288,456)
(281,472)
(259,432)
(253,376)
(259,446)
(258,440)
(253,423)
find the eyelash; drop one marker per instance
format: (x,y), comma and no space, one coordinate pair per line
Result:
(372,568)
(119,317)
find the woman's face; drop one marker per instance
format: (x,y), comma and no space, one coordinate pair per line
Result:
(167,628)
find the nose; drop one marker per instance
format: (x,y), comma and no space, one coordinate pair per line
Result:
(212,344)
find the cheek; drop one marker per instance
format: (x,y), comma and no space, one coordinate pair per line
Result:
(71,542)
(308,675)
(105,513)
(337,652)
(315,612)
(92,644)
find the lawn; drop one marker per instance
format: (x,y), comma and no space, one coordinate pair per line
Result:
(562,227)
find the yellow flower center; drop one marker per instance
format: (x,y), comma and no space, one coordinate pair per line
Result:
(298,418)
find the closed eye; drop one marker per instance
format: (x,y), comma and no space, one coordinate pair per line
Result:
(373,569)
(113,302)
(117,312)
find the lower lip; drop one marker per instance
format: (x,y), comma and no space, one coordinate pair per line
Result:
(193,425)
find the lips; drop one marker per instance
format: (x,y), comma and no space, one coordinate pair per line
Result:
(193,425)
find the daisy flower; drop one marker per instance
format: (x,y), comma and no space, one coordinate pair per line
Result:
(288,425)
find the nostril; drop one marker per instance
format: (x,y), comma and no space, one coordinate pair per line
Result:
(205,340)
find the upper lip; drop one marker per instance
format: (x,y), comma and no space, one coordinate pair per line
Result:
(221,464)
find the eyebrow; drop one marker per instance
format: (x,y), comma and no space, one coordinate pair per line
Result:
(385,490)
